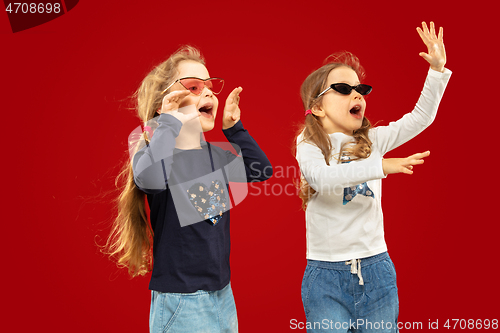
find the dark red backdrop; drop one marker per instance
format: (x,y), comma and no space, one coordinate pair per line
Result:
(65,89)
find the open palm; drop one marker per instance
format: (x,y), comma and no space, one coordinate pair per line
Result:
(436,55)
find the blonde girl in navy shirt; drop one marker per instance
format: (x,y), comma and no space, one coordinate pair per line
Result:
(349,283)
(185,181)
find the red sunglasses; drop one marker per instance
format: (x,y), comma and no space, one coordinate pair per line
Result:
(196,85)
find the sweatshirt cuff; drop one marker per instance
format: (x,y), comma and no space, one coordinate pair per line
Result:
(434,73)
(382,175)
(232,130)
(170,121)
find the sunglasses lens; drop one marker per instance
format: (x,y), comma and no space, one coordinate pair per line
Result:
(342,88)
(195,86)
(215,85)
(363,89)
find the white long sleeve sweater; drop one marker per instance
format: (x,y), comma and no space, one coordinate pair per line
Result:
(344,218)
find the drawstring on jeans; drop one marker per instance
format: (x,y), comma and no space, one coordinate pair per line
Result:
(356,270)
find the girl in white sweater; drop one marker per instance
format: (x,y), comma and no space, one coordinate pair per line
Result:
(350,281)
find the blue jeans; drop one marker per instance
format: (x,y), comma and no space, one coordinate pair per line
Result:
(200,312)
(334,300)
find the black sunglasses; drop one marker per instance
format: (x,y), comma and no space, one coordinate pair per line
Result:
(345,89)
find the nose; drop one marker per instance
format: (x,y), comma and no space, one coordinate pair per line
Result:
(207,92)
(356,95)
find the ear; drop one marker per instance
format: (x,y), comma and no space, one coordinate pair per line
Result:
(318,111)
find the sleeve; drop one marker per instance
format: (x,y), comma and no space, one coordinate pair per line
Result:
(256,164)
(331,178)
(413,123)
(152,164)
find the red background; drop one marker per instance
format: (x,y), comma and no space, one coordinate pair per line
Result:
(66,115)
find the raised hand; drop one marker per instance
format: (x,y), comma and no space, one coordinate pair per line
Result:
(403,165)
(435,56)
(171,103)
(232,109)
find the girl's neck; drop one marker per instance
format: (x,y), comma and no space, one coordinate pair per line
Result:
(186,141)
(331,128)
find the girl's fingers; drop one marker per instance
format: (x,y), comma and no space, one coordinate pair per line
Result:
(440,34)
(165,98)
(175,96)
(191,116)
(172,101)
(186,114)
(422,36)
(406,170)
(234,96)
(420,155)
(416,159)
(428,35)
(427,57)
(424,27)
(236,92)
(433,30)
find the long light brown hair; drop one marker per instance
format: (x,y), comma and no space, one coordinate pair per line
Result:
(131,238)
(313,131)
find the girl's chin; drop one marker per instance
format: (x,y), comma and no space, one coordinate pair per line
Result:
(207,125)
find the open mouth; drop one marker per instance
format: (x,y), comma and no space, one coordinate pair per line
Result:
(206,110)
(355,111)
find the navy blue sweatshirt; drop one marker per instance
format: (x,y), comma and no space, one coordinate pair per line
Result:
(189,204)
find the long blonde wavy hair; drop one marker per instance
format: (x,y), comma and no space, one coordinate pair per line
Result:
(313,131)
(131,238)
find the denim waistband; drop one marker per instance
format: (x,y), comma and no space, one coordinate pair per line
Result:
(199,292)
(341,265)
